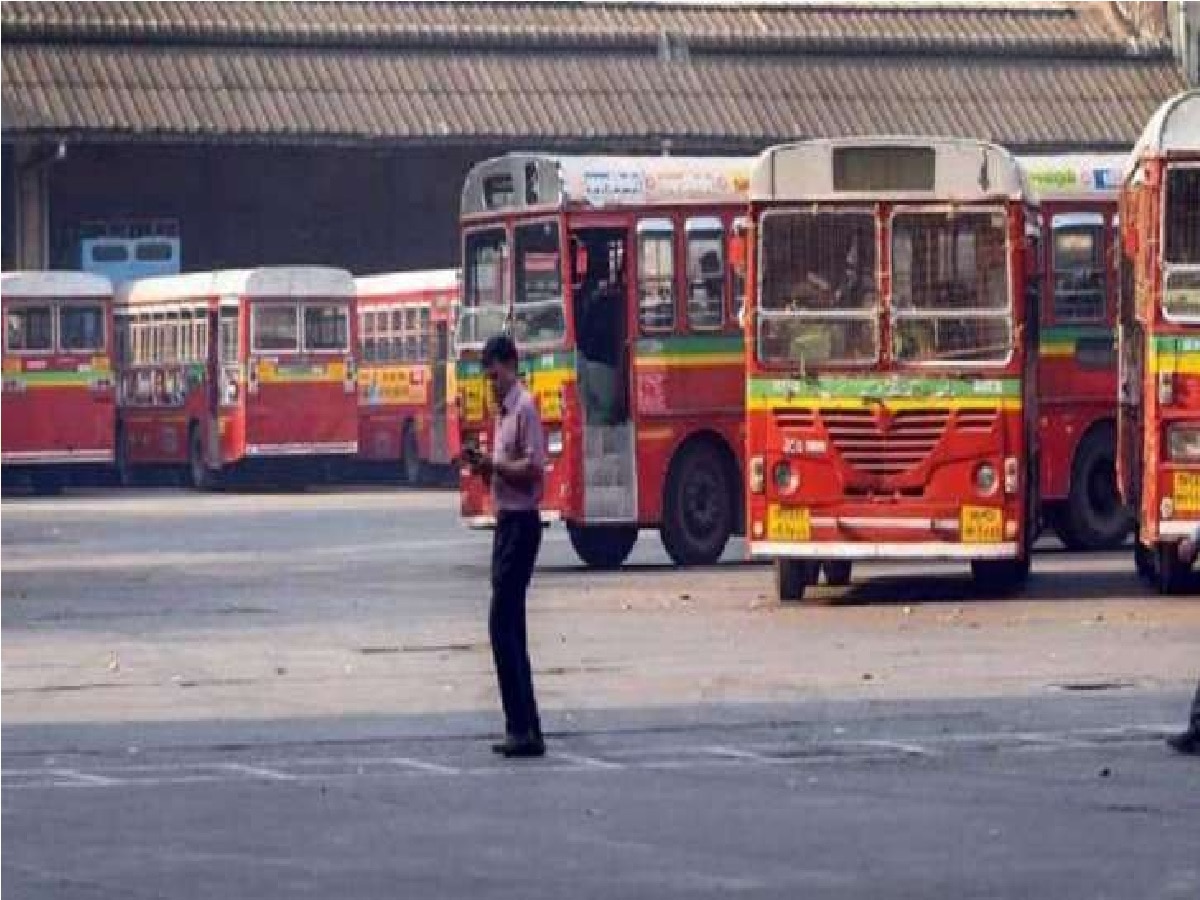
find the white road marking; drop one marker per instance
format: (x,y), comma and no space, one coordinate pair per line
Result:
(737,753)
(422,765)
(257,771)
(587,762)
(85,777)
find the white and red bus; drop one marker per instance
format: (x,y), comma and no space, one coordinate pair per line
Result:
(891,408)
(239,370)
(406,409)
(613,276)
(1159,431)
(59,391)
(1077,408)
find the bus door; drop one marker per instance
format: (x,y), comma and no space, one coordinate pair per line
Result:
(600,300)
(438,446)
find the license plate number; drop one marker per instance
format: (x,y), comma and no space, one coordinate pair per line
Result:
(787,524)
(982,525)
(1187,491)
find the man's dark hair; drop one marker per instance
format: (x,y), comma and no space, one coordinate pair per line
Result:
(499,348)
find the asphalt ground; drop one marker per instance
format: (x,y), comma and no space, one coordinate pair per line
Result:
(261,695)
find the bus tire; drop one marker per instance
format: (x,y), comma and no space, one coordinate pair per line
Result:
(837,572)
(46,484)
(411,468)
(1094,518)
(1170,573)
(699,507)
(122,466)
(1001,576)
(603,546)
(202,477)
(792,578)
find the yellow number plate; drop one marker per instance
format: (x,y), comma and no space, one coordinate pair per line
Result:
(1187,491)
(787,524)
(472,397)
(982,525)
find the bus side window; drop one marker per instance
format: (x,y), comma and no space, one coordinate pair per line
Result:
(705,274)
(656,275)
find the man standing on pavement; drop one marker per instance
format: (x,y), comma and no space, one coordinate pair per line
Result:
(515,472)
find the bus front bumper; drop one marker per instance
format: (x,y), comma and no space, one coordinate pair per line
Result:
(483,523)
(856,550)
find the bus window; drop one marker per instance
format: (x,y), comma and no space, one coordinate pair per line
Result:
(950,288)
(81,328)
(539,316)
(656,275)
(1079,271)
(819,293)
(275,328)
(228,337)
(705,273)
(485,300)
(326,328)
(1181,220)
(29,329)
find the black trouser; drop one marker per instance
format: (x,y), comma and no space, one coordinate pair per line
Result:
(1194,719)
(514,551)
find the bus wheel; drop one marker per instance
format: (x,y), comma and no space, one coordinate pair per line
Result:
(837,572)
(698,513)
(121,464)
(603,546)
(1094,517)
(1143,562)
(203,478)
(1001,576)
(410,456)
(1170,573)
(47,484)
(792,578)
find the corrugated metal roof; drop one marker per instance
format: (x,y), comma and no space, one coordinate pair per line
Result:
(533,74)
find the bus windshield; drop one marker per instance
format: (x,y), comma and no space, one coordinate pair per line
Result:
(950,296)
(485,297)
(326,328)
(81,328)
(29,329)
(539,312)
(1181,223)
(820,296)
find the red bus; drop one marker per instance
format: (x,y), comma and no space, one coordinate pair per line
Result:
(237,371)
(892,359)
(1159,426)
(612,274)
(59,394)
(406,413)
(1077,424)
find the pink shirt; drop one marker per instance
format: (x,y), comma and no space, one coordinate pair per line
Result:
(518,435)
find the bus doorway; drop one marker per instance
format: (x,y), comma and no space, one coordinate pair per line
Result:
(600,306)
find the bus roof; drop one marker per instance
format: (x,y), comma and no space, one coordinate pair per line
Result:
(1174,128)
(270,281)
(54,284)
(897,167)
(1074,176)
(531,180)
(389,283)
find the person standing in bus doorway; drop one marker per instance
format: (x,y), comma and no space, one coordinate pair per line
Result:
(515,471)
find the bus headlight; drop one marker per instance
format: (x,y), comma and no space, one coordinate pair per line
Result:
(1183,443)
(985,479)
(758,475)
(785,478)
(1012,475)
(1167,507)
(554,441)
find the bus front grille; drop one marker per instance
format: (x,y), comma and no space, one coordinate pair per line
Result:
(884,442)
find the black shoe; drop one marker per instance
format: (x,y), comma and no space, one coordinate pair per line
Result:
(526,747)
(1188,742)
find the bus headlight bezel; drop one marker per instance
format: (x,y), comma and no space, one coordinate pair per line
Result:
(1183,442)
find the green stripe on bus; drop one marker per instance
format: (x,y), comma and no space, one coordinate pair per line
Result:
(692,344)
(917,386)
